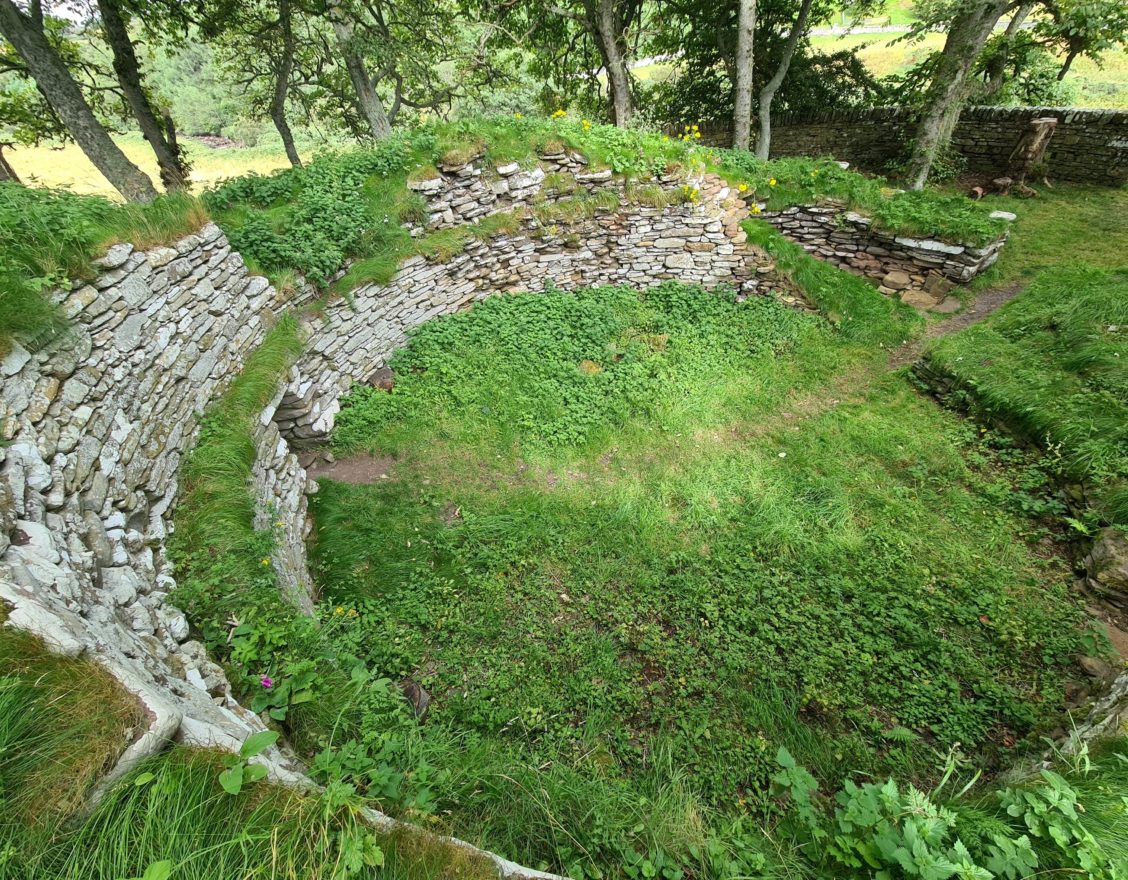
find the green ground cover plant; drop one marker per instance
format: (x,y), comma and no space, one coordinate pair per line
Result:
(50,237)
(929,213)
(1053,366)
(609,552)
(63,722)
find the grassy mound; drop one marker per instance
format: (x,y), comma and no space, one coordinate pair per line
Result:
(1053,366)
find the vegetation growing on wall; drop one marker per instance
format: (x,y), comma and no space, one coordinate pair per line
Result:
(49,238)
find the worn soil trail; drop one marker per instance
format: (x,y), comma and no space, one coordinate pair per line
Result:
(985,303)
(847,387)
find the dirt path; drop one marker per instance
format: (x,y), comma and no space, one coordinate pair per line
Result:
(985,303)
(356,469)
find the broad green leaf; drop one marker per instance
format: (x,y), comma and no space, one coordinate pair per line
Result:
(232,779)
(259,742)
(253,773)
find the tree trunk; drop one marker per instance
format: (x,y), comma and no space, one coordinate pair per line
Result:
(768,92)
(742,90)
(282,84)
(367,101)
(609,35)
(7,172)
(969,31)
(63,94)
(1073,53)
(173,168)
(997,68)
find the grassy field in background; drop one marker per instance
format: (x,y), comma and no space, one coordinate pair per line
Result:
(67,167)
(1104,85)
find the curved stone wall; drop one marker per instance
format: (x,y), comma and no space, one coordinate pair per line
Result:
(96,424)
(698,241)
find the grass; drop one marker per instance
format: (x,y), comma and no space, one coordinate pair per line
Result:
(1053,366)
(219,553)
(63,722)
(50,238)
(65,166)
(1065,225)
(612,514)
(845,300)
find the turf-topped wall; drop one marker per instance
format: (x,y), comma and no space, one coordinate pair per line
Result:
(920,270)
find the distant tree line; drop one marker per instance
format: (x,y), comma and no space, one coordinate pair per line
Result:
(357,68)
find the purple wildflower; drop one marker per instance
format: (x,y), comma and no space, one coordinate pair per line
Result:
(267,682)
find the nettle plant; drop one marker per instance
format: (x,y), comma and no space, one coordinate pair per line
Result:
(889,831)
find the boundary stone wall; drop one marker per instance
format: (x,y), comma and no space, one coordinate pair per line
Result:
(1088,146)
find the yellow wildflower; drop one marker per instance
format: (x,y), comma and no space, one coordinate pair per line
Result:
(755,209)
(265,560)
(559,114)
(518,115)
(697,134)
(772,182)
(339,610)
(742,188)
(352,612)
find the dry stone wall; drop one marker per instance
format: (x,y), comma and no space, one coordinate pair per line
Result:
(462,193)
(698,242)
(920,271)
(1088,146)
(96,426)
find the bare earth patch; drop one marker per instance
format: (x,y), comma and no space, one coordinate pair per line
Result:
(355,469)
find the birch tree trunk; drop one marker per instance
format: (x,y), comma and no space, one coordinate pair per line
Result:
(60,90)
(742,90)
(768,92)
(367,101)
(969,30)
(173,168)
(282,84)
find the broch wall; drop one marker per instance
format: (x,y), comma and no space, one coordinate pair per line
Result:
(97,423)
